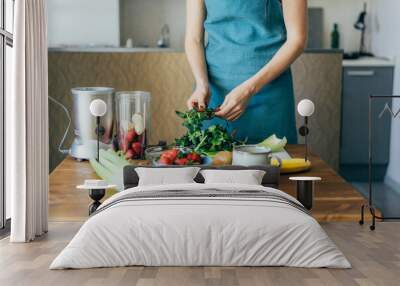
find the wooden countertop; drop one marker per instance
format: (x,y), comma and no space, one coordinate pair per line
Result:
(335,199)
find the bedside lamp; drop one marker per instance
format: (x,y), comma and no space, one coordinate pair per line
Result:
(305,108)
(98,108)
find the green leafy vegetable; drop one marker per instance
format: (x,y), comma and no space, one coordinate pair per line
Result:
(212,139)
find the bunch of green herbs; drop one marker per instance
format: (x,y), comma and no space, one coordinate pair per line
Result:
(203,140)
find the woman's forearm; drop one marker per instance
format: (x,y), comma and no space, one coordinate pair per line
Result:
(195,55)
(194,41)
(295,16)
(285,56)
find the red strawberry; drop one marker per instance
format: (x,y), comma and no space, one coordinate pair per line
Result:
(130,136)
(165,161)
(165,157)
(172,154)
(175,152)
(137,147)
(129,154)
(194,157)
(181,161)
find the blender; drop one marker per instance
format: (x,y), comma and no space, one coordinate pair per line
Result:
(132,122)
(84,145)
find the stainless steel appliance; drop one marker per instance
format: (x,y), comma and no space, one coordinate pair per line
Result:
(85,143)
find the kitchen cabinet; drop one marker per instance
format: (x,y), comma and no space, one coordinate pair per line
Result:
(83,23)
(362,78)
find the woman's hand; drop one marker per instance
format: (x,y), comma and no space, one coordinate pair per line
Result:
(199,98)
(235,102)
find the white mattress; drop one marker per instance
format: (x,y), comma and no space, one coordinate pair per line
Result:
(200,231)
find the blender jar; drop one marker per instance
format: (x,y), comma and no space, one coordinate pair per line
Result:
(133,122)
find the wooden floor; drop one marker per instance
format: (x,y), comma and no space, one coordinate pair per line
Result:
(335,199)
(375,257)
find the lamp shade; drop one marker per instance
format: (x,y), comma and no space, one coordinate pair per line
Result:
(98,107)
(306,108)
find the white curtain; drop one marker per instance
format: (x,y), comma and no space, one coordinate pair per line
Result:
(27,124)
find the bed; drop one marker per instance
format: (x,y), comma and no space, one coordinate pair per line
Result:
(197,224)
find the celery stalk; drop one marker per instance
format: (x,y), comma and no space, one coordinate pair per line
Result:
(110,168)
(112,156)
(274,143)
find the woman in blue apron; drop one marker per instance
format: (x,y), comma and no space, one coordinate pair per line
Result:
(244,67)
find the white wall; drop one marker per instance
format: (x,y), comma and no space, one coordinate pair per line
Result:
(142,21)
(386,42)
(83,22)
(86,22)
(345,13)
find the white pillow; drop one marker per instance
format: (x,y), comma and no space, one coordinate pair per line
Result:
(247,177)
(166,176)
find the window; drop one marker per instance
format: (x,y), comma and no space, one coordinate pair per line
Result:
(6,44)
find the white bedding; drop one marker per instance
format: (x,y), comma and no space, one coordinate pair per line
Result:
(200,231)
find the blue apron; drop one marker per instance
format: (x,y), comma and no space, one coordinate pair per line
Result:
(243,35)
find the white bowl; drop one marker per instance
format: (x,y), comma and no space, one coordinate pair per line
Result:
(251,155)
